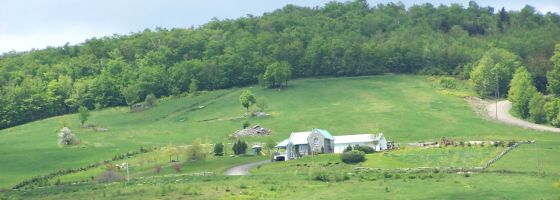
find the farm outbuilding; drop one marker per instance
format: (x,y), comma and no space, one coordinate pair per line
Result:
(377,142)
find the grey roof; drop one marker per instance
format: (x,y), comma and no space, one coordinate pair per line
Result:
(284,143)
(299,137)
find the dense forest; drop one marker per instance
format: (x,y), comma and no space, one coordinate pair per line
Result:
(337,39)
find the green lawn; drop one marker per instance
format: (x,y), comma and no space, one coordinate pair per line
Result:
(403,158)
(404,107)
(525,158)
(143,165)
(434,157)
(405,186)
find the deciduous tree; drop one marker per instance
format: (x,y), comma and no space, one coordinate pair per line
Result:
(537,111)
(247,99)
(195,152)
(83,115)
(553,76)
(262,103)
(521,92)
(495,68)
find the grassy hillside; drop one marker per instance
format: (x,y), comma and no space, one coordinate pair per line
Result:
(405,108)
(294,180)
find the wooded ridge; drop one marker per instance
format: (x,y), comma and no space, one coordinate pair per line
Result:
(338,39)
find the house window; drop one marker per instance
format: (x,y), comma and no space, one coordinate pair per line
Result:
(316,142)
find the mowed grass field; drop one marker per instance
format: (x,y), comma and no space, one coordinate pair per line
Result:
(295,180)
(396,159)
(406,108)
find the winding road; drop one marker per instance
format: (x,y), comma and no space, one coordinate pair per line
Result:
(243,170)
(504,116)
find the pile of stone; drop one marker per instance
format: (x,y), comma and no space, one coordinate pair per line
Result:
(252,131)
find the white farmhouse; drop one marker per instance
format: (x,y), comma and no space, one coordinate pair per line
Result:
(321,141)
(304,143)
(377,142)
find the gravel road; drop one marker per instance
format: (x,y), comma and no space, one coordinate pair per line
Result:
(506,117)
(243,170)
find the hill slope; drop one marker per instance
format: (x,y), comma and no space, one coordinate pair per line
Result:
(405,108)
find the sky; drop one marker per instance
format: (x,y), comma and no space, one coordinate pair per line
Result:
(36,24)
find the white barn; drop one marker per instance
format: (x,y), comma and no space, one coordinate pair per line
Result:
(377,142)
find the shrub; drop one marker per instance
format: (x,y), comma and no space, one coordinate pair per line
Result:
(353,156)
(348,148)
(387,175)
(326,176)
(321,176)
(219,149)
(177,167)
(262,103)
(240,147)
(498,143)
(556,122)
(66,137)
(150,100)
(447,82)
(246,124)
(110,175)
(195,152)
(365,149)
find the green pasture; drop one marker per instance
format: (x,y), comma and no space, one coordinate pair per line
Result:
(406,108)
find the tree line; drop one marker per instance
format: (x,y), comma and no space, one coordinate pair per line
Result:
(337,39)
(500,70)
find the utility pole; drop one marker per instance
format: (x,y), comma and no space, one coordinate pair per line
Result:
(537,156)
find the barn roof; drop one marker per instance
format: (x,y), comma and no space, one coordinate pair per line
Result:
(343,139)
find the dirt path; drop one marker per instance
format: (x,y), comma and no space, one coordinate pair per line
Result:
(243,170)
(506,117)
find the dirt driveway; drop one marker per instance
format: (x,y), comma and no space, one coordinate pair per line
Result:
(243,170)
(504,116)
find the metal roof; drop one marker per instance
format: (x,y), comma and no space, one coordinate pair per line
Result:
(325,134)
(284,143)
(299,137)
(344,139)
